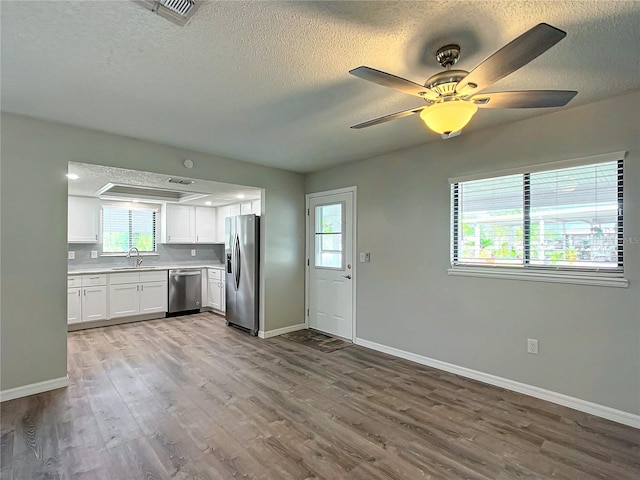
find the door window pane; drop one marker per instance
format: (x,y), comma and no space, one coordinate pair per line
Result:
(329,236)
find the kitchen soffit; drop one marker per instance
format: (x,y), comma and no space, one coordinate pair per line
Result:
(268,82)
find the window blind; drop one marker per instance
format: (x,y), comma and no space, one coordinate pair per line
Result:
(490,221)
(566,218)
(576,217)
(123,228)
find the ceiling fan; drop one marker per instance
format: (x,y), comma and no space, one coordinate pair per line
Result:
(453,96)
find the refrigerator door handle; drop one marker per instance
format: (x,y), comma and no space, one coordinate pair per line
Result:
(238,264)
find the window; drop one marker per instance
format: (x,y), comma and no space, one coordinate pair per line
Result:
(561,219)
(123,228)
(329,235)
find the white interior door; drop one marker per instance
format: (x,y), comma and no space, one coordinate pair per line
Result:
(330,263)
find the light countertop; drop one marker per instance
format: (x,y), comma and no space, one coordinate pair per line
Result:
(142,268)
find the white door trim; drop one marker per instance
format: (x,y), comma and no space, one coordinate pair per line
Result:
(308,197)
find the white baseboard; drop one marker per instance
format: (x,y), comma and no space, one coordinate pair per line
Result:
(598,410)
(281,331)
(33,388)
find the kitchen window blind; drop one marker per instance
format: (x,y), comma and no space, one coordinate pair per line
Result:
(123,228)
(561,219)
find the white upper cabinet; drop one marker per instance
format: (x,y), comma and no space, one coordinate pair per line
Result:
(83,220)
(253,206)
(222,213)
(256,207)
(179,224)
(188,224)
(205,225)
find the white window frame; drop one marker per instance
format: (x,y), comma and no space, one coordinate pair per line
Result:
(603,277)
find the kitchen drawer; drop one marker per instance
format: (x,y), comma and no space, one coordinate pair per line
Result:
(122,278)
(157,276)
(215,274)
(75,281)
(92,280)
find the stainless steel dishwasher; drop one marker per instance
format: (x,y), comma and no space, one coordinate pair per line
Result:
(185,290)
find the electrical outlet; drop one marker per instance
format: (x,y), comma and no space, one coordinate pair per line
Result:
(193,253)
(71,255)
(532,346)
(362,257)
(94,253)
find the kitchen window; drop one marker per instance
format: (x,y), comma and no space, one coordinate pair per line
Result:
(124,227)
(563,223)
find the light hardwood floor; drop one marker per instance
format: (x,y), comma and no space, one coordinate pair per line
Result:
(188,398)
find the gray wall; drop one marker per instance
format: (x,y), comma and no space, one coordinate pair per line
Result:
(589,336)
(33,191)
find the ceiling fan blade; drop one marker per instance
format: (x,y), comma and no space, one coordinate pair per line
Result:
(387,118)
(524,99)
(511,57)
(387,80)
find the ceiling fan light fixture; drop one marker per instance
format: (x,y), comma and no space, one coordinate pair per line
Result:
(447,117)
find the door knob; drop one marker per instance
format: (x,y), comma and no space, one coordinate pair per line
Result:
(348,277)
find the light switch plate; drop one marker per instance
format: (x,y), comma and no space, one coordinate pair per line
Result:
(94,254)
(71,255)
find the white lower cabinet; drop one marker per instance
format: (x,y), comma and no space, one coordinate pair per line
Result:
(137,293)
(86,298)
(153,297)
(215,290)
(74,305)
(123,300)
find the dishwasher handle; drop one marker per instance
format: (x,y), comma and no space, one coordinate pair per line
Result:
(184,274)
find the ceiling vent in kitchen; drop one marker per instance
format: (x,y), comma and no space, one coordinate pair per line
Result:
(149,194)
(180,181)
(178,11)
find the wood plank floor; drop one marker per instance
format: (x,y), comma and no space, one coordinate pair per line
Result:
(188,398)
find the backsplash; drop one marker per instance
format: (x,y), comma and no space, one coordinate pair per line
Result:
(167,255)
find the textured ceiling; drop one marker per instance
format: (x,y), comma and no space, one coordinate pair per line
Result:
(267,81)
(93,178)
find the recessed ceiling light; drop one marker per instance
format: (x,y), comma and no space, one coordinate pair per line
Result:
(240,195)
(72,176)
(207,203)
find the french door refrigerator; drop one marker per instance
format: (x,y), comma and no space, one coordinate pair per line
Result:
(242,247)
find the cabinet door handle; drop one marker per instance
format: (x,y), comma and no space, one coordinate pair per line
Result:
(142,288)
(168,238)
(79,292)
(137,288)
(85,292)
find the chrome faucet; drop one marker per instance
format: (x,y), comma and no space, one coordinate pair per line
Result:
(138,258)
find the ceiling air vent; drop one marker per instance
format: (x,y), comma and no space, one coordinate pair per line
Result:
(178,11)
(180,181)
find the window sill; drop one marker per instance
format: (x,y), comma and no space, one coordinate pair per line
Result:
(537,276)
(146,254)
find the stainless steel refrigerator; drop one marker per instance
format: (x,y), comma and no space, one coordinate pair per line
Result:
(242,248)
